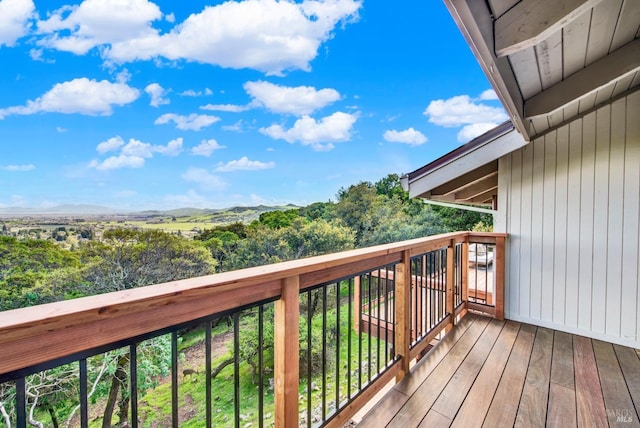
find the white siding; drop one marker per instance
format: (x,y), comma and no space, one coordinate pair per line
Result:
(572,201)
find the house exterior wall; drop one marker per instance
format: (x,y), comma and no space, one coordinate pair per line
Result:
(570,201)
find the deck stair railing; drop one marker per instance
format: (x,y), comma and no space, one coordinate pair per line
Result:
(301,343)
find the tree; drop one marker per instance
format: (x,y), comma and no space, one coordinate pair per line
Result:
(24,268)
(456,219)
(130,258)
(222,245)
(278,219)
(301,239)
(318,211)
(356,207)
(402,227)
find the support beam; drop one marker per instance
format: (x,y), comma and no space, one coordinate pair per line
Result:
(488,183)
(531,21)
(459,206)
(464,180)
(483,198)
(617,65)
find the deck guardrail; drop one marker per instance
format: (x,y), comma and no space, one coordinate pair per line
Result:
(375,309)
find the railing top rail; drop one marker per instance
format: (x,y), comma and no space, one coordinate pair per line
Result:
(63,328)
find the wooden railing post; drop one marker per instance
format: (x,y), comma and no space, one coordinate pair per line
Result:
(286,344)
(450,284)
(403,314)
(499,265)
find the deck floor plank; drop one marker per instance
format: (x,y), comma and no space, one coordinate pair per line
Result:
(630,365)
(618,403)
(562,407)
(504,405)
(456,390)
(504,373)
(438,353)
(532,411)
(589,400)
(562,363)
(380,415)
(415,409)
(562,395)
(435,420)
(479,397)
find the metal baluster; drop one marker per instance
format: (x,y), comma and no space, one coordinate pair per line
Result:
(207,369)
(236,368)
(133,383)
(174,379)
(84,401)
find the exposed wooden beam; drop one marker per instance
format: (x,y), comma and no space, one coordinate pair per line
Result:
(459,206)
(484,198)
(464,180)
(618,64)
(531,21)
(481,186)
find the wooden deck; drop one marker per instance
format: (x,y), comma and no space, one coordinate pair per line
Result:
(493,373)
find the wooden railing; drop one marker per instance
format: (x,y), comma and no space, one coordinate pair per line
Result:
(41,337)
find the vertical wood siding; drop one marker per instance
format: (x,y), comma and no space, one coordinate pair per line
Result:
(573,214)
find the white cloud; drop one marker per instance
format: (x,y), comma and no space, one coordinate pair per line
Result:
(14,17)
(206,148)
(173,148)
(469,132)
(117,162)
(489,95)
(94,23)
(192,93)
(157,94)
(319,135)
(244,164)
(36,55)
(138,148)
(60,129)
(236,127)
(170,18)
(266,35)
(461,110)
(146,150)
(408,136)
(112,144)
(132,154)
(299,100)
(233,108)
(204,179)
(193,122)
(82,96)
(19,168)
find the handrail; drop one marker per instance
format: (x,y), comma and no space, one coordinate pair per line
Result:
(35,335)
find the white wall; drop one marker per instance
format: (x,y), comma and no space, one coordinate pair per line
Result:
(570,202)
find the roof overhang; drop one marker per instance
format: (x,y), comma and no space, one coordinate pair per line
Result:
(551,61)
(469,174)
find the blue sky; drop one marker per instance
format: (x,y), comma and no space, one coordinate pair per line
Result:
(137,104)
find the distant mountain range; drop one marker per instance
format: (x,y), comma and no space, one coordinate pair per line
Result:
(96,210)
